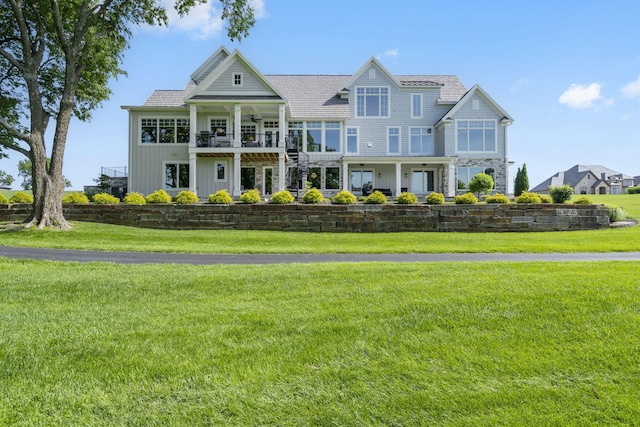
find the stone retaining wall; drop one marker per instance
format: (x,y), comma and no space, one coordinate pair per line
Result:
(337,218)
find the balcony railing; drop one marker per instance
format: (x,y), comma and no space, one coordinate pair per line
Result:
(212,140)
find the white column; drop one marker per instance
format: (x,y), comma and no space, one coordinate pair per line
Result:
(450,191)
(345,176)
(193,185)
(193,125)
(398,179)
(282,125)
(237,189)
(237,121)
(281,171)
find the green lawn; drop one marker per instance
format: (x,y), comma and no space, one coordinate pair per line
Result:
(330,344)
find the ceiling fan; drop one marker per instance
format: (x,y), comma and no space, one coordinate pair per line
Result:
(255,119)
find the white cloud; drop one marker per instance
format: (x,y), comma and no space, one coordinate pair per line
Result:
(391,53)
(632,89)
(581,96)
(204,20)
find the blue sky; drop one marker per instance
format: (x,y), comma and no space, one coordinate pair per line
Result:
(567,71)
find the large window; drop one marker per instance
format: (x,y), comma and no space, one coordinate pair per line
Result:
(295,135)
(315,177)
(421,141)
(332,137)
(393,140)
(332,179)
(361,181)
(476,135)
(314,136)
(218,127)
(422,181)
(416,106)
(176,176)
(164,131)
(248,178)
(465,175)
(352,140)
(372,102)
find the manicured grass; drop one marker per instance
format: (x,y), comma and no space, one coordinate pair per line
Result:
(330,344)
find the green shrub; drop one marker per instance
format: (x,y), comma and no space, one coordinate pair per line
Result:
(186,198)
(530,198)
(3,199)
(221,197)
(159,196)
(21,197)
(283,197)
(105,199)
(481,183)
(134,198)
(633,190)
(561,193)
(313,196)
(251,196)
(407,199)
(545,199)
(497,198)
(466,199)
(376,198)
(615,213)
(584,200)
(344,197)
(434,199)
(78,198)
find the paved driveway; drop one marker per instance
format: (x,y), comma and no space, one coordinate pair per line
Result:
(209,259)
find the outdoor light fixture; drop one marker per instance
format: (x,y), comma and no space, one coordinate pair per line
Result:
(379,175)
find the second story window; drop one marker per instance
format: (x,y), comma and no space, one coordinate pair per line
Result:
(476,135)
(164,130)
(393,140)
(421,141)
(372,102)
(416,106)
(352,140)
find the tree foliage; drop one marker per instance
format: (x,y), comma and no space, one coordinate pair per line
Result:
(481,183)
(24,171)
(521,183)
(56,59)
(6,179)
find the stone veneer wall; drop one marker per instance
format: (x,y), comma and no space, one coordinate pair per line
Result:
(336,218)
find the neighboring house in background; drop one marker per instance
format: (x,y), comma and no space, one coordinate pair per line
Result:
(592,179)
(636,180)
(234,128)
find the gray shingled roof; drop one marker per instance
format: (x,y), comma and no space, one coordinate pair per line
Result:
(574,175)
(312,96)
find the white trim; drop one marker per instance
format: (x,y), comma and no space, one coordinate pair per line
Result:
(495,136)
(357,135)
(433,143)
(157,119)
(388,95)
(240,76)
(164,174)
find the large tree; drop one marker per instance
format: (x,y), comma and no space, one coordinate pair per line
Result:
(56,59)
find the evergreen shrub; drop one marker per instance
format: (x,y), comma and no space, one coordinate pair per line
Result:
(344,197)
(545,199)
(466,199)
(407,198)
(159,196)
(250,197)
(78,198)
(186,198)
(530,198)
(105,199)
(134,198)
(434,199)
(21,197)
(283,197)
(584,200)
(561,193)
(633,190)
(376,198)
(221,197)
(313,196)
(497,198)
(3,199)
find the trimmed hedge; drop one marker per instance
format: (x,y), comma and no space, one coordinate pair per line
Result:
(313,196)
(465,199)
(159,196)
(186,198)
(407,199)
(134,198)
(21,197)
(221,197)
(497,198)
(376,198)
(105,199)
(78,198)
(344,197)
(434,199)
(250,197)
(528,198)
(283,197)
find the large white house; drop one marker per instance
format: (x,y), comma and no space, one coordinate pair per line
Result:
(234,128)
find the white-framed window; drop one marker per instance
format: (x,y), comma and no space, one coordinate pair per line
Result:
(416,105)
(466,174)
(476,135)
(164,130)
(220,171)
(314,137)
(237,79)
(323,137)
(218,126)
(176,175)
(421,141)
(352,140)
(295,131)
(332,137)
(393,140)
(372,102)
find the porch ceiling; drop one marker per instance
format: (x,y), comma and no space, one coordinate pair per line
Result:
(246,157)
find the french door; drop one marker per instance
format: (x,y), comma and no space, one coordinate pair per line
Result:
(362,181)
(422,181)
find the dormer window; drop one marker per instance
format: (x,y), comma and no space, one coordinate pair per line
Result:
(237,79)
